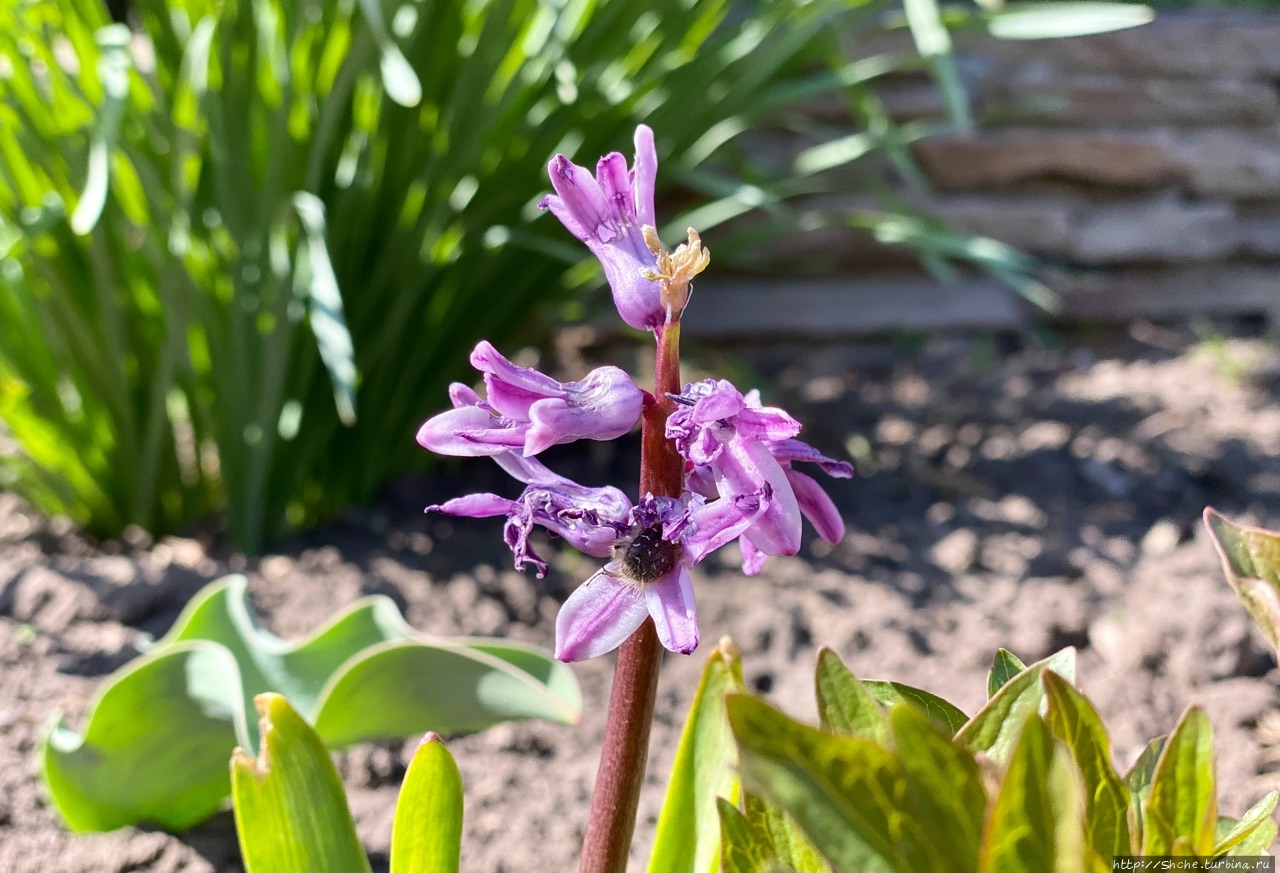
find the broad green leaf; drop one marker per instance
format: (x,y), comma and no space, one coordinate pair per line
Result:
(1251,821)
(844,705)
(1072,719)
(843,791)
(944,786)
(792,850)
(1139,781)
(996,727)
(291,812)
(1005,666)
(688,831)
(1251,560)
(742,848)
(364,674)
(1183,803)
(1055,20)
(1037,821)
(426,836)
(890,694)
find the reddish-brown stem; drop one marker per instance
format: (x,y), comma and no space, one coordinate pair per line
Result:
(635,680)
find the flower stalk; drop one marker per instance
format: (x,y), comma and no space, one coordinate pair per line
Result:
(625,753)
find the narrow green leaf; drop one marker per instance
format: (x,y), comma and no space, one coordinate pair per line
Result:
(688,831)
(792,850)
(291,812)
(1183,804)
(844,705)
(996,727)
(1072,718)
(328,323)
(1005,666)
(1037,821)
(398,77)
(1251,561)
(842,791)
(113,67)
(426,836)
(1056,20)
(890,694)
(1241,830)
(1259,842)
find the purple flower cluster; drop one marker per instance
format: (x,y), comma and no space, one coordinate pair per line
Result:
(738,455)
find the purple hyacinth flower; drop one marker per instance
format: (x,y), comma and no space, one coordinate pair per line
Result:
(716,428)
(529,411)
(608,212)
(590,519)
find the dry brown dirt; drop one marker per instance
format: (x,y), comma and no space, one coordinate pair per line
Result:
(1011,493)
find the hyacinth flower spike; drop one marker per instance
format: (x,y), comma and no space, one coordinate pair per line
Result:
(528,411)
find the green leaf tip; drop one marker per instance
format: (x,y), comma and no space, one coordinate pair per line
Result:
(290,809)
(426,833)
(1251,562)
(364,674)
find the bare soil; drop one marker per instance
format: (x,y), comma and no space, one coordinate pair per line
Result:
(1031,495)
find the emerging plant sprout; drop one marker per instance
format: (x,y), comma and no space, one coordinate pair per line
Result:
(715,467)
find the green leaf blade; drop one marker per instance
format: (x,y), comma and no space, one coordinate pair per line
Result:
(995,728)
(1183,804)
(291,811)
(1005,666)
(1072,718)
(689,827)
(846,707)
(426,836)
(1037,820)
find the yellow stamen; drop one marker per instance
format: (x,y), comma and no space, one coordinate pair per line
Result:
(675,270)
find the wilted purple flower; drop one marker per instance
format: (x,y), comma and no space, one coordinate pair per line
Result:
(528,411)
(590,519)
(714,427)
(651,545)
(612,212)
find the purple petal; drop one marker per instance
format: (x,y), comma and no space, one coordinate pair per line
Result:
(475,506)
(752,558)
(488,359)
(615,182)
(464,395)
(766,423)
(530,471)
(791,450)
(603,406)
(669,599)
(701,480)
(557,207)
(745,468)
(714,524)
(645,175)
(598,616)
(817,506)
(582,197)
(638,299)
(470,432)
(722,402)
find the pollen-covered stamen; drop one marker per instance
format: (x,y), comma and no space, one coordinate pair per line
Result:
(675,270)
(646,556)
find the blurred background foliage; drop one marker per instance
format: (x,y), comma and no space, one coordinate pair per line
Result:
(245,244)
